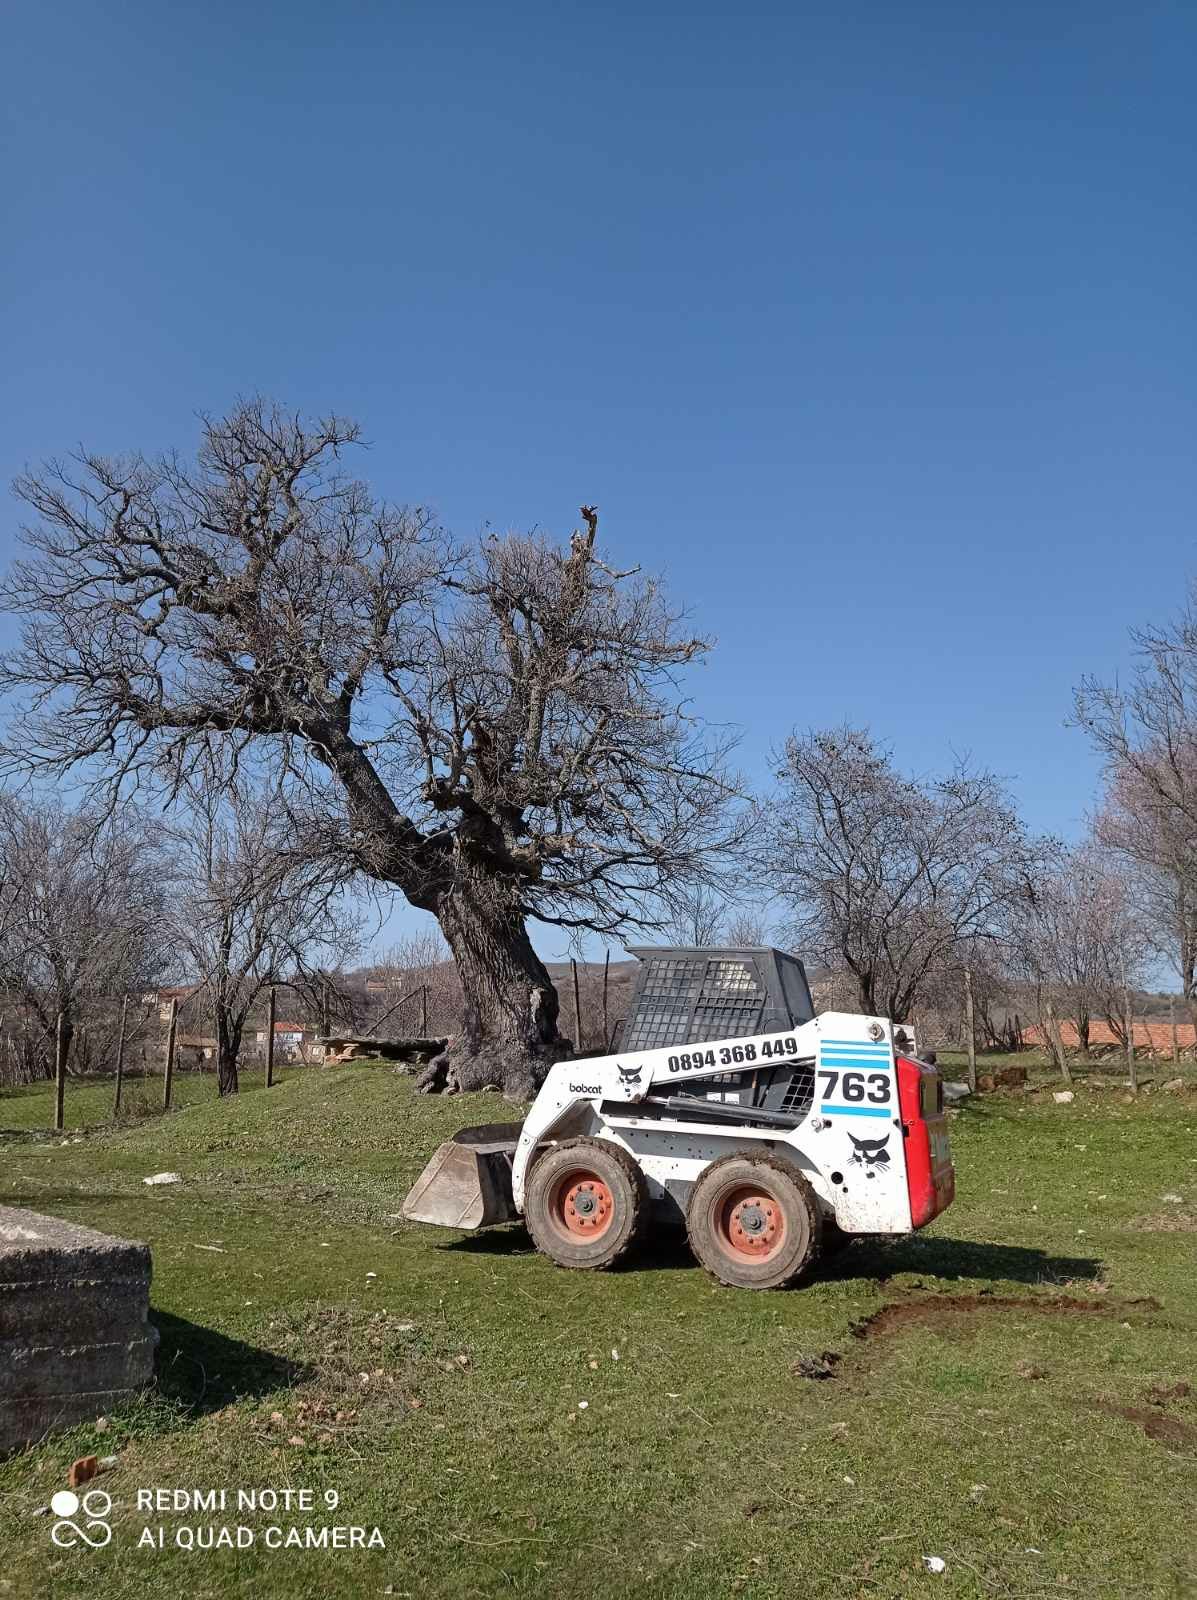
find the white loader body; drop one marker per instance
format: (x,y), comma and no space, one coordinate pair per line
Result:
(849,1145)
(774,1144)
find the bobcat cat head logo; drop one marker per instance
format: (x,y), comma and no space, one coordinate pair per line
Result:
(629,1074)
(869,1153)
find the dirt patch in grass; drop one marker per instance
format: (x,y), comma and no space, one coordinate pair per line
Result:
(960,1311)
(1167,1222)
(1157,1425)
(1163,1394)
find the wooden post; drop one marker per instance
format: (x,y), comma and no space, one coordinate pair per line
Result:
(606,971)
(970,1029)
(271,1008)
(1131,1062)
(577,1006)
(1172,1020)
(1129,1024)
(120,1059)
(60,1055)
(423,1011)
(171,1033)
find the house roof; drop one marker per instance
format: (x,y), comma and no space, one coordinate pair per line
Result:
(1155,1036)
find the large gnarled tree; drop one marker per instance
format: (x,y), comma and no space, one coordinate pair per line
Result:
(496,732)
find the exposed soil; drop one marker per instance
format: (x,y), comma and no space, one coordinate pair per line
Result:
(1156,1425)
(816,1367)
(962,1309)
(1166,1222)
(1160,1394)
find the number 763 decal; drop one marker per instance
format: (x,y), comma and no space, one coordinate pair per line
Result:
(853,1086)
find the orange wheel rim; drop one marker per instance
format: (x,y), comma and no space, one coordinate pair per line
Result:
(750,1223)
(582,1205)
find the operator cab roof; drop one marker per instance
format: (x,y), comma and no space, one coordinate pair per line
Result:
(689,994)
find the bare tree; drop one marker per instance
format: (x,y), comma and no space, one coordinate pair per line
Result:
(1146,731)
(497,734)
(748,925)
(1157,846)
(1083,945)
(697,917)
(245,909)
(420,968)
(85,916)
(889,877)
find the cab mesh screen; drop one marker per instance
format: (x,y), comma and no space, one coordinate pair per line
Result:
(685,1000)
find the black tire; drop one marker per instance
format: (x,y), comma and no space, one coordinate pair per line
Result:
(753,1222)
(579,1186)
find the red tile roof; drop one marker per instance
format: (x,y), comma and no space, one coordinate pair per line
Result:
(1154,1036)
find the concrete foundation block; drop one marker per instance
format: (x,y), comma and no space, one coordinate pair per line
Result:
(74,1339)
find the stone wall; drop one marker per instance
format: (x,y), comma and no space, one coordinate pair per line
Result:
(74,1339)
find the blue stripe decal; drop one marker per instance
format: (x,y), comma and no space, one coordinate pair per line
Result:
(855,1111)
(850,1055)
(855,1044)
(856,1061)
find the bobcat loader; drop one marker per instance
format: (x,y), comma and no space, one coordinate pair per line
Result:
(774,1134)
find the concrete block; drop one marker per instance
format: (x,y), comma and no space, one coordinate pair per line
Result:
(39,1311)
(74,1339)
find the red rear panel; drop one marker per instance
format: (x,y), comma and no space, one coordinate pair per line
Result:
(930,1176)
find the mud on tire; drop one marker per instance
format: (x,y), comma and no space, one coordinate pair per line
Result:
(586,1204)
(753,1222)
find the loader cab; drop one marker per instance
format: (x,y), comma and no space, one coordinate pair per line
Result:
(686,995)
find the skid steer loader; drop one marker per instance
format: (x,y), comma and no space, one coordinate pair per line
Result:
(772,1133)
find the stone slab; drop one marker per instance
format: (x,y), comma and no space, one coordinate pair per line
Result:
(36,1247)
(27,1371)
(74,1335)
(42,1311)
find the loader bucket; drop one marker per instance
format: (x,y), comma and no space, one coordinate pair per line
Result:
(467,1184)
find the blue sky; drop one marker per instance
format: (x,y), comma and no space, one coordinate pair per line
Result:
(871,326)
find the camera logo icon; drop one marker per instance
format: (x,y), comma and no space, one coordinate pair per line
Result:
(95,1507)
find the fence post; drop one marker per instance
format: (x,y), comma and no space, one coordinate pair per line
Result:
(170,1053)
(606,971)
(970,1030)
(120,1059)
(59,1070)
(577,1006)
(1129,1022)
(423,1011)
(1132,1064)
(270,1013)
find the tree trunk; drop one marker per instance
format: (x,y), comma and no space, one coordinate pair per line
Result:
(1055,1040)
(1082,1034)
(228,1047)
(509,1036)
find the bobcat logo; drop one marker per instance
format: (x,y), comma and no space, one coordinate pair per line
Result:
(628,1074)
(869,1153)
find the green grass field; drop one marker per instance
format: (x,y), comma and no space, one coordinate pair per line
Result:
(513,1429)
